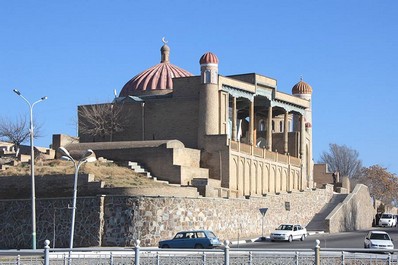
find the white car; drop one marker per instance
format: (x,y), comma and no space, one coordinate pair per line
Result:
(378,240)
(289,232)
(387,219)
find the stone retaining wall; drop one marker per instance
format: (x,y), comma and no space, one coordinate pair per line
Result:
(119,220)
(53,222)
(151,218)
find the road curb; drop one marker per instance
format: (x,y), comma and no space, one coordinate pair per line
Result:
(258,239)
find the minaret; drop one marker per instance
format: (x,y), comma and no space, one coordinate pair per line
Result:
(304,91)
(208,98)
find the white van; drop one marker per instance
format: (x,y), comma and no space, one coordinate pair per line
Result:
(387,219)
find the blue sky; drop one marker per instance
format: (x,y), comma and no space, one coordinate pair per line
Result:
(78,52)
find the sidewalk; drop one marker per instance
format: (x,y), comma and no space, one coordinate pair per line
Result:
(266,238)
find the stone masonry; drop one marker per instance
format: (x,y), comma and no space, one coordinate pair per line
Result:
(120,220)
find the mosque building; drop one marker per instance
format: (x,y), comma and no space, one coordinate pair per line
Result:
(229,136)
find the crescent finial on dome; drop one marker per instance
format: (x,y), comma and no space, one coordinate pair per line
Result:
(165,52)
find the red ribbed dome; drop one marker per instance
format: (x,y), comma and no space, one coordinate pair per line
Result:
(208,57)
(301,88)
(157,78)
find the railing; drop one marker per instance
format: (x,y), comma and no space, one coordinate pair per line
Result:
(223,256)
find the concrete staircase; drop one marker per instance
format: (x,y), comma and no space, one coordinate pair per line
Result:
(137,168)
(318,224)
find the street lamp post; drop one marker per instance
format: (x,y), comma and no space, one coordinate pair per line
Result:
(32,164)
(85,158)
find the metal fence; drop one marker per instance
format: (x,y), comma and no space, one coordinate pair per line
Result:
(223,256)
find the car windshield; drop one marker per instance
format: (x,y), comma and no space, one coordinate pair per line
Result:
(379,236)
(386,216)
(211,235)
(285,227)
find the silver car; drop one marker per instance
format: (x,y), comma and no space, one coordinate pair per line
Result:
(289,232)
(378,240)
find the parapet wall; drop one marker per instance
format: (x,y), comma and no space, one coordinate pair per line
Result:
(119,220)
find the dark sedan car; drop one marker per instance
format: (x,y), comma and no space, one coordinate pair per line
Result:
(192,239)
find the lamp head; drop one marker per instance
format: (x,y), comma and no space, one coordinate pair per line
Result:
(64,152)
(88,153)
(88,156)
(44,98)
(16,92)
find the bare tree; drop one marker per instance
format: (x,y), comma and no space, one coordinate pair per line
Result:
(102,120)
(342,159)
(382,184)
(18,131)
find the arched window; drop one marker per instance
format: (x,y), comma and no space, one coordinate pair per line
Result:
(207,76)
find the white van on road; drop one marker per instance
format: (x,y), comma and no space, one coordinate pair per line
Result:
(387,219)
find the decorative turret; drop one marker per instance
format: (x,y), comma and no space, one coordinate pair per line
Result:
(301,88)
(209,98)
(304,91)
(209,68)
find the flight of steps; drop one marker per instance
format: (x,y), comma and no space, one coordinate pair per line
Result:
(139,169)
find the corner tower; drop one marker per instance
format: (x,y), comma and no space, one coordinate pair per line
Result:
(304,91)
(208,98)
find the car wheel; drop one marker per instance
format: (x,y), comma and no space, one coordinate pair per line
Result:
(302,237)
(290,238)
(198,246)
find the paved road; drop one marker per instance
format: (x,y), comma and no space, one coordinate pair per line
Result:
(340,240)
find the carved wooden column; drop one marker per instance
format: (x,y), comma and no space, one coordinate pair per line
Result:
(302,138)
(251,140)
(269,129)
(234,119)
(286,133)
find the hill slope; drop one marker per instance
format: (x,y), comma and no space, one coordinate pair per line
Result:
(108,172)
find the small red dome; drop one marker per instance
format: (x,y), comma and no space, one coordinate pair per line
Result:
(301,88)
(208,57)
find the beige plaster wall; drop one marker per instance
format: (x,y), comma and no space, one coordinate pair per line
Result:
(254,175)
